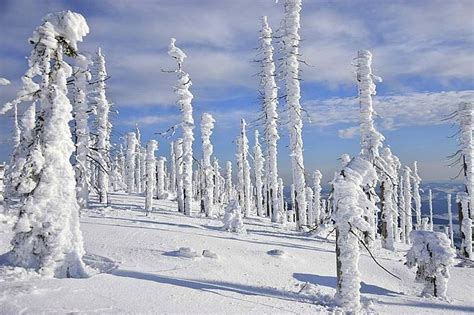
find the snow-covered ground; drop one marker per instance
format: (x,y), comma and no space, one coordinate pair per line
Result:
(269,270)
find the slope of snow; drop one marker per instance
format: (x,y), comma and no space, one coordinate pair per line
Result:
(157,264)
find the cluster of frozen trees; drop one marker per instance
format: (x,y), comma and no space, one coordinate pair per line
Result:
(373,196)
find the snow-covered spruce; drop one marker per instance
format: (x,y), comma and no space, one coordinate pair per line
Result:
(462,200)
(229,188)
(401,211)
(465,116)
(416,194)
(351,203)
(81,115)
(178,153)
(270,103)
(160,178)
(47,237)
(317,176)
(138,161)
(291,74)
(130,162)
(184,101)
(259,163)
(450,220)
(218,181)
(407,194)
(207,124)
(433,256)
(172,169)
(243,170)
(388,192)
(233,221)
(430,204)
(103,125)
(150,174)
(310,210)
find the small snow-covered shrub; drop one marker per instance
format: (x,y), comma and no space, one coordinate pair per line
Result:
(432,254)
(233,218)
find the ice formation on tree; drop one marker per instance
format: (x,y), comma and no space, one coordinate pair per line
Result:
(433,256)
(233,221)
(160,178)
(388,189)
(351,203)
(184,101)
(138,162)
(150,174)
(103,126)
(178,153)
(463,199)
(310,209)
(47,237)
(259,163)
(172,169)
(81,116)
(317,176)
(416,193)
(130,167)
(407,196)
(270,102)
(243,170)
(207,124)
(218,181)
(291,72)
(282,215)
(450,220)
(430,204)
(228,182)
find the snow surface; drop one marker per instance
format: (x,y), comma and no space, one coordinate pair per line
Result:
(140,274)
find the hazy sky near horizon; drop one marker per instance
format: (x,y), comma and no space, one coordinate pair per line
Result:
(422,50)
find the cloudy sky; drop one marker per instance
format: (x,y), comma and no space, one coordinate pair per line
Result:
(422,50)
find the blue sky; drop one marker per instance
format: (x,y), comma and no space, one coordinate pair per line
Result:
(422,49)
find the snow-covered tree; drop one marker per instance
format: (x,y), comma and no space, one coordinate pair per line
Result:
(388,189)
(172,169)
(416,193)
(462,198)
(47,237)
(259,163)
(407,194)
(351,206)
(143,169)
(218,182)
(433,256)
(103,125)
(130,167)
(229,188)
(232,220)
(450,220)
(317,176)
(243,170)
(207,124)
(310,209)
(178,153)
(138,161)
(270,102)
(401,211)
(282,214)
(184,101)
(160,178)
(291,73)
(150,174)
(430,204)
(81,115)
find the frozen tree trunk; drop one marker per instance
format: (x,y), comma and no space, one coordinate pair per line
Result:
(466,140)
(150,174)
(270,103)
(103,128)
(218,182)
(430,201)
(172,169)
(138,162)
(207,124)
(47,237)
(293,202)
(370,139)
(184,101)
(416,194)
(317,176)
(309,202)
(450,221)
(259,164)
(143,169)
(160,178)
(351,203)
(81,116)
(130,167)
(389,201)
(401,211)
(244,189)
(291,40)
(178,153)
(282,214)
(407,202)
(228,182)
(462,199)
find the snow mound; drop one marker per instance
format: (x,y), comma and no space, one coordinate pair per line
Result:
(99,264)
(209,254)
(185,252)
